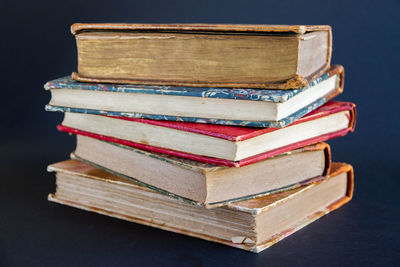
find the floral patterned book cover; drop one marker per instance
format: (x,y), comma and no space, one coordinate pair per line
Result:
(243,94)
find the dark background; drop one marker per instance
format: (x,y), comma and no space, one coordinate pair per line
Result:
(36,46)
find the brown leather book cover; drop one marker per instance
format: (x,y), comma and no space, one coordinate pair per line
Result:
(295,81)
(254,207)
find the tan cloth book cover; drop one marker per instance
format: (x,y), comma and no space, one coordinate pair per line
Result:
(203,55)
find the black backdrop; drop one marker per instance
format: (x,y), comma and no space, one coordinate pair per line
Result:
(36,46)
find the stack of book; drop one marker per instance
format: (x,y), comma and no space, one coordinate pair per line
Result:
(213,131)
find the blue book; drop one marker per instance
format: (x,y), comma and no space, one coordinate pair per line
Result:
(226,106)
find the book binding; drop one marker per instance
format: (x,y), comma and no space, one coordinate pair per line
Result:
(208,205)
(305,145)
(333,107)
(250,94)
(294,82)
(259,124)
(337,168)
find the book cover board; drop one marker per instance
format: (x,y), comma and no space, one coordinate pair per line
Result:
(197,166)
(298,31)
(231,133)
(254,206)
(242,94)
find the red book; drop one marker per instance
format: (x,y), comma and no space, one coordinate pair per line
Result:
(231,146)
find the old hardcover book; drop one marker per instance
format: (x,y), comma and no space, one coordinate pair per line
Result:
(229,106)
(253,225)
(202,183)
(241,56)
(215,144)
